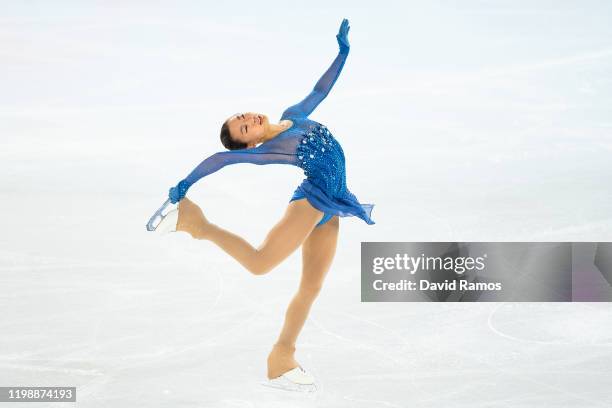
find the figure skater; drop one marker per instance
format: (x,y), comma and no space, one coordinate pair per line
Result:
(312,215)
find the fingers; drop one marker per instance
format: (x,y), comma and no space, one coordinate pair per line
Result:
(344,26)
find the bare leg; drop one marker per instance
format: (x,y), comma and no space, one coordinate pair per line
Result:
(318,252)
(284,238)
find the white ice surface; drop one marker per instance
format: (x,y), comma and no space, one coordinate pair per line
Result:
(475,122)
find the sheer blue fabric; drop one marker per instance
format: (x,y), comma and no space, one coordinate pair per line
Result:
(308,145)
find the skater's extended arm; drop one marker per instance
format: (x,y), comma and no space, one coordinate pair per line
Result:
(327,80)
(273,152)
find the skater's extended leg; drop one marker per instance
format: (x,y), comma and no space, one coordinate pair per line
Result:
(318,252)
(284,238)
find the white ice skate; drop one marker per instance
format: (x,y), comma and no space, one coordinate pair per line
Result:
(163,222)
(293,380)
(168,223)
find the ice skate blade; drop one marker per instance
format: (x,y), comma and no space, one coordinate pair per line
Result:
(168,223)
(286,385)
(294,380)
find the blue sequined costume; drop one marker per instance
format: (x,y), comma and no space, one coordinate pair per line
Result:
(306,144)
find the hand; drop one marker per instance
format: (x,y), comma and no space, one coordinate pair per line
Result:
(177,193)
(342,35)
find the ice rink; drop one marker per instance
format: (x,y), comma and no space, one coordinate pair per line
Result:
(478,121)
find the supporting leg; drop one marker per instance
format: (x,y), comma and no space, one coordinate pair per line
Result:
(318,252)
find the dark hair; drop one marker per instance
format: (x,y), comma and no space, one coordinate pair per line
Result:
(227,140)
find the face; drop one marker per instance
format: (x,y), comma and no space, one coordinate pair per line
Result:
(248,127)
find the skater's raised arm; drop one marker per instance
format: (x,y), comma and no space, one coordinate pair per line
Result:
(327,81)
(266,153)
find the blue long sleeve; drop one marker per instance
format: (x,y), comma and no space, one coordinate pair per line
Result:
(275,151)
(321,89)
(225,158)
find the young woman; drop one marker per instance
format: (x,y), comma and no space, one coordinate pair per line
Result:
(312,216)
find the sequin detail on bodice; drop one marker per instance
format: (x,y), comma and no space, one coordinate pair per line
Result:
(322,159)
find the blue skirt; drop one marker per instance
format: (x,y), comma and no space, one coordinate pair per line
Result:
(298,195)
(344,204)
